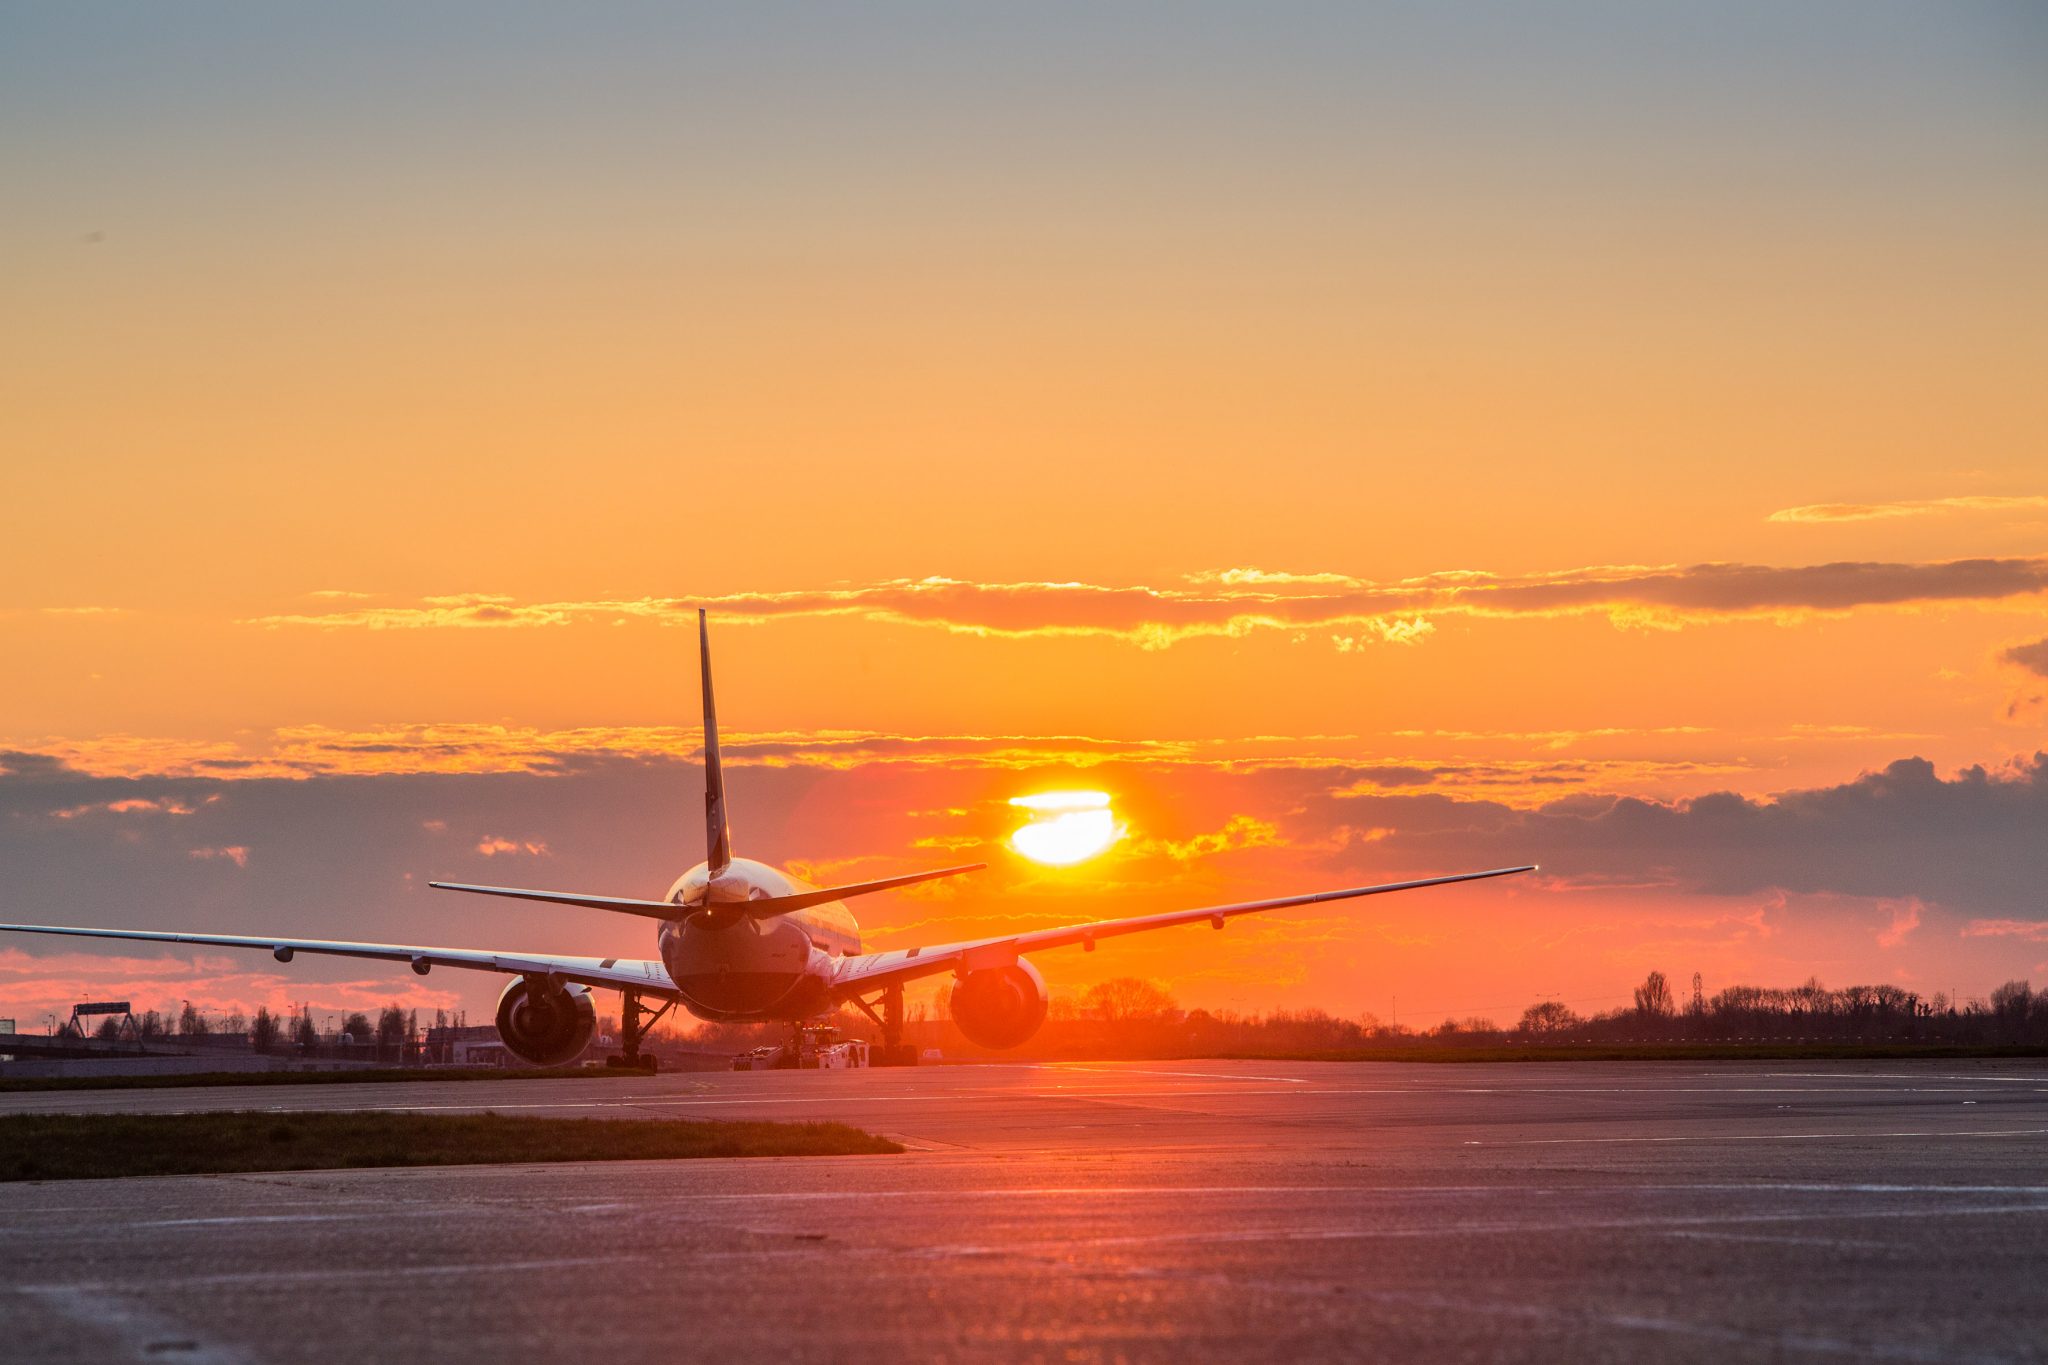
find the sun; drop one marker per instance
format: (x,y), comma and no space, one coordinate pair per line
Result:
(1065,827)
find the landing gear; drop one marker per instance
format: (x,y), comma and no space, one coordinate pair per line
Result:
(631,1029)
(893,1051)
(790,1056)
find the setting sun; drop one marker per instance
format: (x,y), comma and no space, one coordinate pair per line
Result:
(1065,827)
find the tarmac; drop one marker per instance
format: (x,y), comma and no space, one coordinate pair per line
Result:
(1773,1211)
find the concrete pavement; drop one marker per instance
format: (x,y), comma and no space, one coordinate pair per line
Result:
(1625,1212)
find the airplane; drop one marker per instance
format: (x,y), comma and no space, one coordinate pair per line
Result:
(740,940)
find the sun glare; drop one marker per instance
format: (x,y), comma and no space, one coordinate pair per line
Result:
(1065,827)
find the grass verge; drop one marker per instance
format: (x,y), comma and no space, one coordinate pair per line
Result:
(93,1146)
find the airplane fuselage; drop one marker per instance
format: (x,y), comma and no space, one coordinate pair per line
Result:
(728,965)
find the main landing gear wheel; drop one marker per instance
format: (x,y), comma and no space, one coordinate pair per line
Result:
(631,1029)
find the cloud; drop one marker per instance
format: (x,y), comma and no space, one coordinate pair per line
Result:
(2032,931)
(1969,843)
(492,845)
(238,854)
(347,855)
(85,611)
(132,805)
(1266,578)
(1905,919)
(1345,762)
(1392,775)
(1239,832)
(1884,511)
(339,595)
(1397,630)
(1397,612)
(2033,657)
(1555,740)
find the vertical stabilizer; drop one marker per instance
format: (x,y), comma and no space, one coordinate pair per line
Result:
(718,838)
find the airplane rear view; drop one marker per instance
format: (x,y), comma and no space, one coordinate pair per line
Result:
(739,940)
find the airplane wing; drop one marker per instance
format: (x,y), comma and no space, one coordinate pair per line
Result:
(871,971)
(647,978)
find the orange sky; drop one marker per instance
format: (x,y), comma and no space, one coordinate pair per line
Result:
(1357,452)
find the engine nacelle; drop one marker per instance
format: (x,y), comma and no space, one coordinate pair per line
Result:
(999,1007)
(546,1027)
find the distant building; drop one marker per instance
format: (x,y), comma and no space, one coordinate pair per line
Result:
(474,1045)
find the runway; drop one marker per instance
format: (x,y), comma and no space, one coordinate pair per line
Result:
(1146,1211)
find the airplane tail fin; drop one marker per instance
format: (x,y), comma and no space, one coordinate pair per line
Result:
(717,835)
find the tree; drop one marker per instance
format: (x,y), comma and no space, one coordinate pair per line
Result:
(304,1034)
(150,1026)
(109,1029)
(390,1031)
(356,1028)
(263,1029)
(1128,997)
(1653,997)
(2010,1005)
(191,1023)
(1551,1016)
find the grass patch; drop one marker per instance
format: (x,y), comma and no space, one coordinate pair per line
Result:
(177,1080)
(93,1146)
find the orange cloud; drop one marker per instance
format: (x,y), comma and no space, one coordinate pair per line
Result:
(491,845)
(2031,931)
(1156,618)
(1353,764)
(1886,511)
(1905,919)
(1240,832)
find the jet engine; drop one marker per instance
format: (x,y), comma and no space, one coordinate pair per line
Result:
(999,1007)
(548,1026)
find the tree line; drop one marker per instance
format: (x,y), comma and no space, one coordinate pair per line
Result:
(394,1036)
(1130,1016)
(2015,1015)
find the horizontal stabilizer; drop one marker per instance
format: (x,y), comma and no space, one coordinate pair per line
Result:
(782,905)
(625,906)
(758,909)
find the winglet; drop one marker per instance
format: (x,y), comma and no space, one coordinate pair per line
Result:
(718,837)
